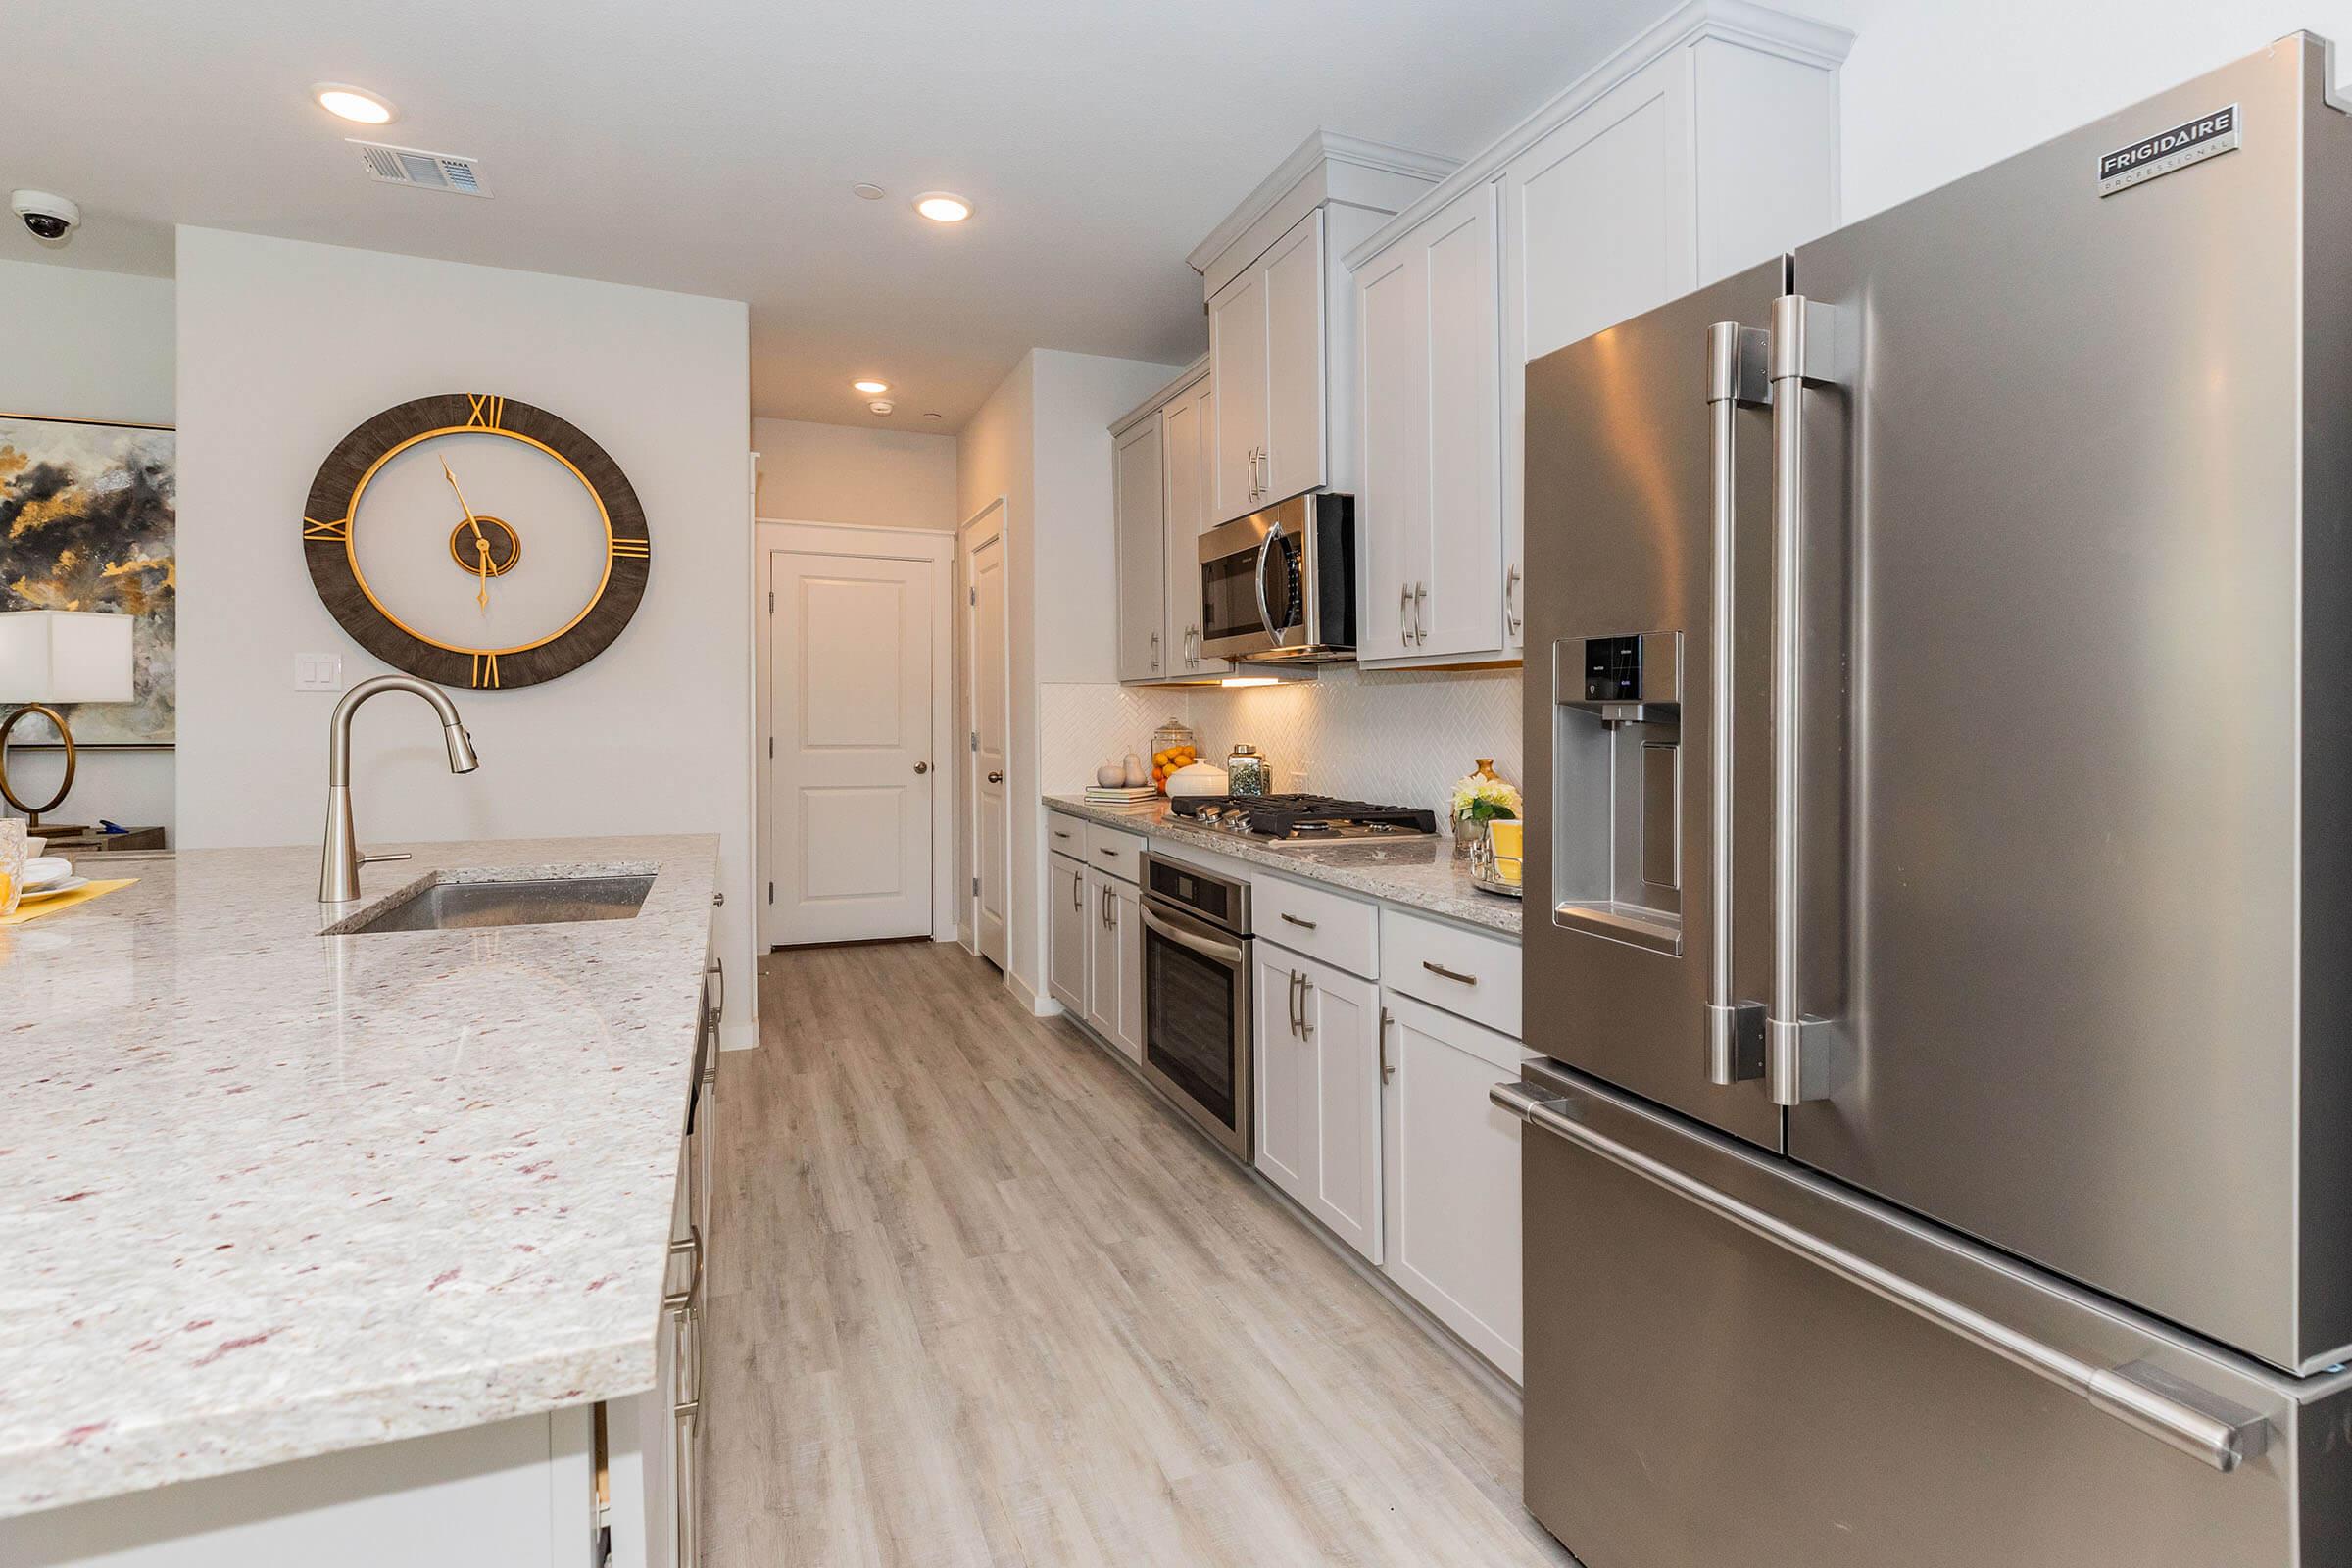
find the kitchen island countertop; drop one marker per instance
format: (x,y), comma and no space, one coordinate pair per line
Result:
(1419,874)
(266,1194)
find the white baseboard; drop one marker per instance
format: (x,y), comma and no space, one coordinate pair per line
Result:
(1037,1002)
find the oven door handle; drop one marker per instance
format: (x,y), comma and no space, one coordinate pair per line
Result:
(1219,951)
(1265,611)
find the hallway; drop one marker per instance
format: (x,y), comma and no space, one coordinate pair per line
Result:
(977,1298)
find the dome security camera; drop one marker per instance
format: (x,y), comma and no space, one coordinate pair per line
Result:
(50,217)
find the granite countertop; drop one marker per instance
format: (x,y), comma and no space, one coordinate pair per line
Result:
(1421,874)
(266,1194)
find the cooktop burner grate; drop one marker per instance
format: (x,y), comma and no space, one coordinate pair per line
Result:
(1304,818)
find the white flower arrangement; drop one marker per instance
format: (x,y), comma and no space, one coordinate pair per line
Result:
(1484,799)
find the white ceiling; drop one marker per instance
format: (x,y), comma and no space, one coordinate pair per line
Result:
(710,146)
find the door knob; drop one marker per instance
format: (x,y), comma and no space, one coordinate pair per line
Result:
(996,779)
(922,768)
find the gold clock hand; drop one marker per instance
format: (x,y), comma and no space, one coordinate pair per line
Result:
(468,511)
(482,567)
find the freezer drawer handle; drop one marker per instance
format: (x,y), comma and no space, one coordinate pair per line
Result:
(2196,1422)
(1739,371)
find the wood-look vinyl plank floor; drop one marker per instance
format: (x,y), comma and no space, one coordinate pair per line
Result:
(976,1297)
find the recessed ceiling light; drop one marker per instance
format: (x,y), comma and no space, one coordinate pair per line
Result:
(934,415)
(355,104)
(943,207)
(873,389)
(866,190)
(881,405)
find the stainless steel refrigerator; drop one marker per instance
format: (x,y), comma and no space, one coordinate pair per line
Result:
(1940,886)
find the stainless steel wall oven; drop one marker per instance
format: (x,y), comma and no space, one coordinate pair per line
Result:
(1197,1003)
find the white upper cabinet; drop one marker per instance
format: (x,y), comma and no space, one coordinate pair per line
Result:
(1710,143)
(1139,505)
(1601,219)
(1164,468)
(1237,365)
(1188,442)
(1281,324)
(1296,431)
(1429,506)
(1392,502)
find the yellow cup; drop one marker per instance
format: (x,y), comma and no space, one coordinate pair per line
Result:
(1504,836)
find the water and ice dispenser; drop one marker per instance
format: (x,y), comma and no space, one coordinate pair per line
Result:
(1617,787)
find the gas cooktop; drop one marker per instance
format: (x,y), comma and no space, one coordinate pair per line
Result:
(1303,819)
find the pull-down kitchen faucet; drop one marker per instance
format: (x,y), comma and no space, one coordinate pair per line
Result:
(340,859)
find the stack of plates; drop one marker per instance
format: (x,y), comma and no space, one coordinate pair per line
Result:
(48,876)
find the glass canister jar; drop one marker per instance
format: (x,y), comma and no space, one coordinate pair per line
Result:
(1247,772)
(1173,746)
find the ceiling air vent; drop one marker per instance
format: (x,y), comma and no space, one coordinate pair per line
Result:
(412,165)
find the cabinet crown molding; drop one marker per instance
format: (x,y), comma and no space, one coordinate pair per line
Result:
(1150,407)
(1326,158)
(1740,21)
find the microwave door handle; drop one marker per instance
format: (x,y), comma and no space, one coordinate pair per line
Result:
(1738,373)
(1265,554)
(1219,951)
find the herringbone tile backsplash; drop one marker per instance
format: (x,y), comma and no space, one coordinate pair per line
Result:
(1398,738)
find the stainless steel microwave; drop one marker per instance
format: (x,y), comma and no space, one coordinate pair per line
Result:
(1279,584)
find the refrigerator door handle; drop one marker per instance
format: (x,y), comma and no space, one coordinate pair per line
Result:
(2193,1420)
(1797,1049)
(1739,371)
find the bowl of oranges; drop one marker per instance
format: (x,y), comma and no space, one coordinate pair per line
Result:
(1166,759)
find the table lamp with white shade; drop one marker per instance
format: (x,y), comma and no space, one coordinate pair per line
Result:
(58,655)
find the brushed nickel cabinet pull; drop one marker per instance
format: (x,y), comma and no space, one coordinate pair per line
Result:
(1304,925)
(1444,973)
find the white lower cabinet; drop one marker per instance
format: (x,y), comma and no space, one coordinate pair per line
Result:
(1114,1005)
(1452,1162)
(1066,945)
(1319,1092)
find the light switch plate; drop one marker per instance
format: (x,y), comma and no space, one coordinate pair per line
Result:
(318,672)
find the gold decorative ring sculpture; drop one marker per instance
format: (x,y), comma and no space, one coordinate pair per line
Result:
(33,813)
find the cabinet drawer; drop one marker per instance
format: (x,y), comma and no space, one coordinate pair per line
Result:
(1447,966)
(1114,853)
(1065,835)
(1339,930)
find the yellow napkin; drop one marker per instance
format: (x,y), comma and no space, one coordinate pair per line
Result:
(65,901)
(1504,836)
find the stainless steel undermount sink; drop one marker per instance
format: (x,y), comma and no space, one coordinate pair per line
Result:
(542,901)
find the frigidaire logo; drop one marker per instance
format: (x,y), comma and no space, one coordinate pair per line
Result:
(2184,144)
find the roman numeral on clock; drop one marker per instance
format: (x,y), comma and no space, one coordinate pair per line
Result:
(487,410)
(338,530)
(633,548)
(485,671)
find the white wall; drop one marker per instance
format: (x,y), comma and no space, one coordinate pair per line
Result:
(81,344)
(1043,442)
(877,479)
(1937,88)
(283,347)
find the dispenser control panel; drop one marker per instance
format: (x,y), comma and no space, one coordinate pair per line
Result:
(1620,675)
(1612,669)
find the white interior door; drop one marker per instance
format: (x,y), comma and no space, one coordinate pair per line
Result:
(985,658)
(851,785)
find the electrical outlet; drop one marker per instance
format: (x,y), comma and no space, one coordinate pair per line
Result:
(318,672)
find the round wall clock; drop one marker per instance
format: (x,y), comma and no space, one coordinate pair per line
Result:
(475,541)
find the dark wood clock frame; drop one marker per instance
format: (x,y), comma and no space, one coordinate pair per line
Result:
(342,483)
